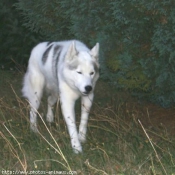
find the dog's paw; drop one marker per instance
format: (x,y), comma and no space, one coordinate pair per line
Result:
(82,137)
(33,127)
(76,145)
(50,117)
(77,150)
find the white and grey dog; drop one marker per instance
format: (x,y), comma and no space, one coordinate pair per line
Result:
(67,70)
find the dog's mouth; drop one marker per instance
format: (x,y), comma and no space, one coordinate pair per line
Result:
(85,93)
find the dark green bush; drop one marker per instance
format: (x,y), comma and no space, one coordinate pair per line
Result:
(137,39)
(16,41)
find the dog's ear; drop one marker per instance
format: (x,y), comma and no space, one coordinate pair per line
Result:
(72,52)
(95,51)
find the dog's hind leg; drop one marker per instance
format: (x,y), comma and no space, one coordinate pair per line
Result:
(33,90)
(52,99)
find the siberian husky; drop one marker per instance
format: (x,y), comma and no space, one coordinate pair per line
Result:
(67,70)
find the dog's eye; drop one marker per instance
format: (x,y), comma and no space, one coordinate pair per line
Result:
(79,72)
(92,73)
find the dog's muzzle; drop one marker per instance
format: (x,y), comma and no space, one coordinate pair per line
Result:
(88,89)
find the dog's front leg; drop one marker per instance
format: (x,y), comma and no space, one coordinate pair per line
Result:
(86,103)
(67,105)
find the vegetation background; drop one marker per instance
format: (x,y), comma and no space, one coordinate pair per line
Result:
(137,38)
(137,56)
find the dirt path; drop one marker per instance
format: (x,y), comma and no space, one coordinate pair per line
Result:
(158,117)
(152,116)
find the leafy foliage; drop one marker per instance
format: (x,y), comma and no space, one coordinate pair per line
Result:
(137,39)
(16,41)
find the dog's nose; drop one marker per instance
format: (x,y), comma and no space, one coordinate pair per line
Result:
(88,88)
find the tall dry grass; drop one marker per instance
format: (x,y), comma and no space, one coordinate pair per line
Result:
(117,143)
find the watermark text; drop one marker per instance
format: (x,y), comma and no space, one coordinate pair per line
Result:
(10,172)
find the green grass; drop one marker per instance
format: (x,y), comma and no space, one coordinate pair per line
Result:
(116,142)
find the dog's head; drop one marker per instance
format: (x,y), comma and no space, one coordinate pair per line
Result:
(82,68)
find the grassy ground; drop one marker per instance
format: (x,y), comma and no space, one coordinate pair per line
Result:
(117,143)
